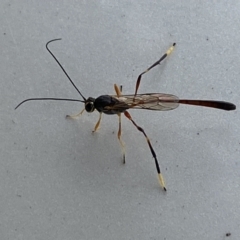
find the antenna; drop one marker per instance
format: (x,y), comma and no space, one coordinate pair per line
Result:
(57,39)
(58,99)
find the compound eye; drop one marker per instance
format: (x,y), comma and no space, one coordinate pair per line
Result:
(89,107)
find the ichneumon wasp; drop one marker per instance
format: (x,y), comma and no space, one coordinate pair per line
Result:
(118,104)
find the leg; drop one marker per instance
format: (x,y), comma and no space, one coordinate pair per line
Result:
(97,124)
(160,177)
(119,138)
(118,90)
(155,64)
(76,115)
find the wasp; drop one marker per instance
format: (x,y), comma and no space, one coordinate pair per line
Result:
(120,104)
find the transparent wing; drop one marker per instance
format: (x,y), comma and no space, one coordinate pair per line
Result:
(148,101)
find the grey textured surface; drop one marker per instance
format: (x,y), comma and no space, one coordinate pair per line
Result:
(58,181)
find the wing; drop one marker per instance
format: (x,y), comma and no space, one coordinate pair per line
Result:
(148,101)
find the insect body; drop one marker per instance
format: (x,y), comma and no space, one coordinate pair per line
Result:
(118,104)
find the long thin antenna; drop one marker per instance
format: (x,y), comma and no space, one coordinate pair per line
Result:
(58,99)
(62,66)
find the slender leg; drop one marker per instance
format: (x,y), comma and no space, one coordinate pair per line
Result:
(76,115)
(118,90)
(119,138)
(160,177)
(155,64)
(97,124)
